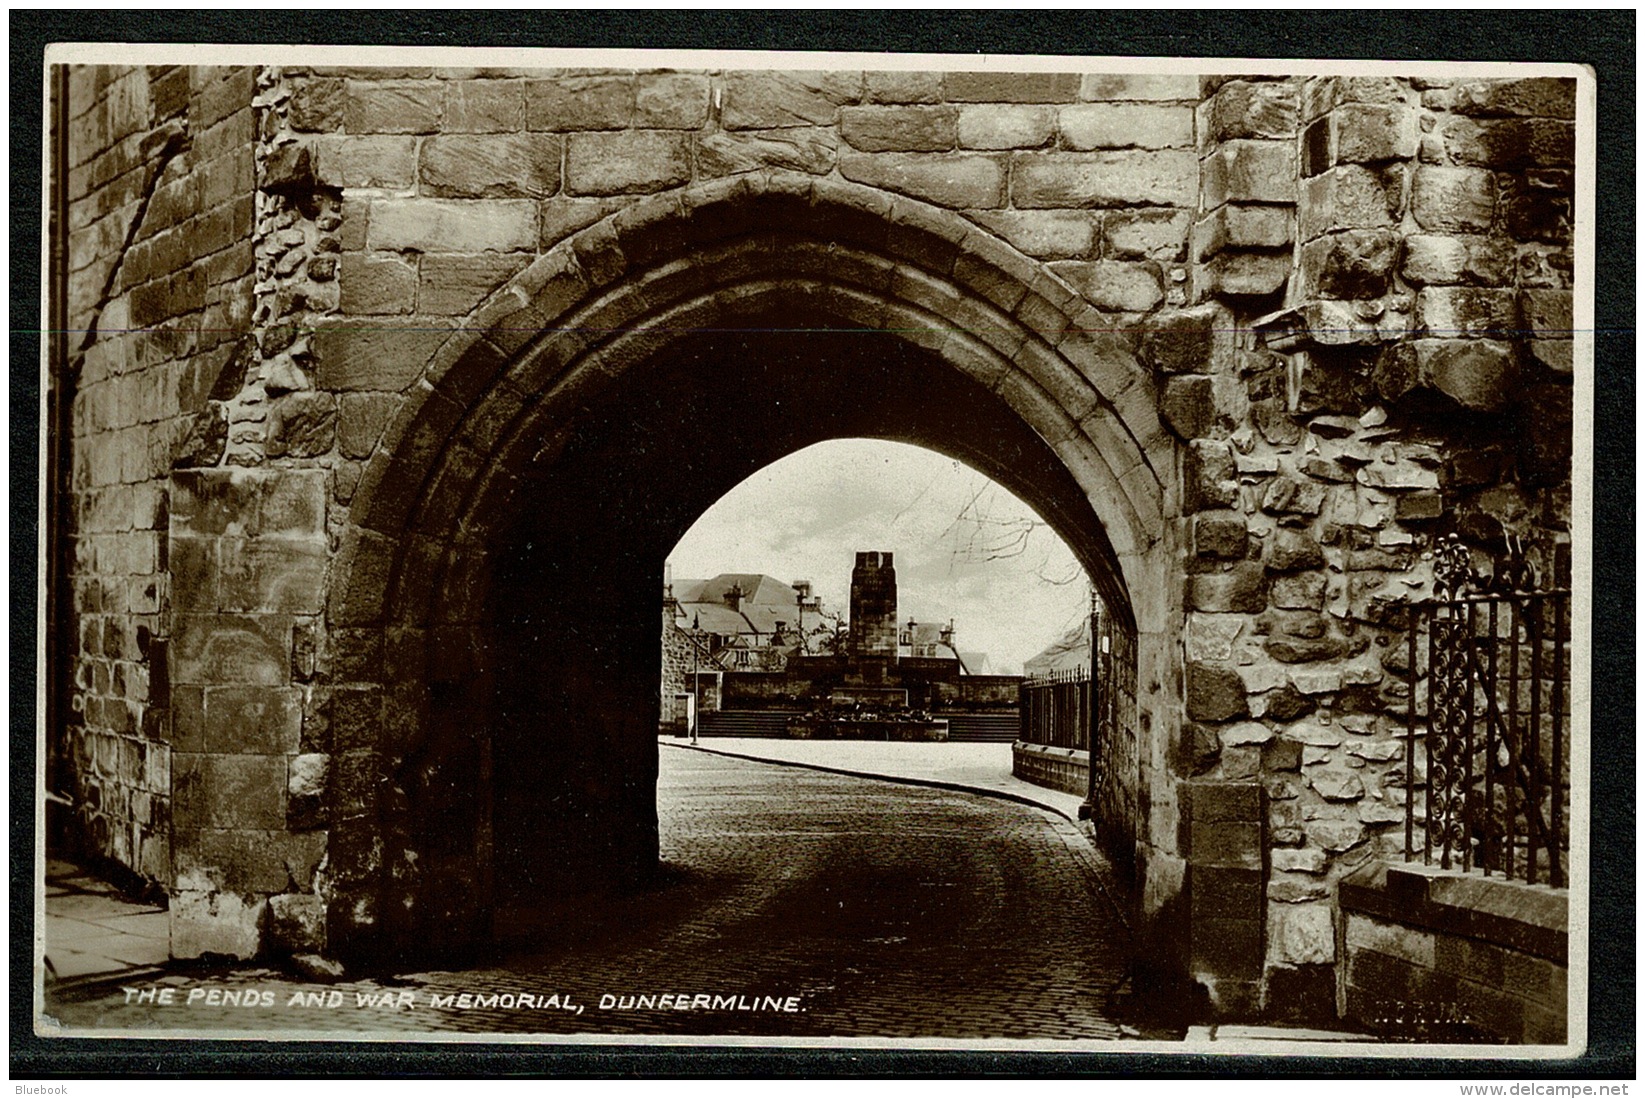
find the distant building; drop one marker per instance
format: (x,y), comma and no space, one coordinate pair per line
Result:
(745,621)
(1068,653)
(933,641)
(733,651)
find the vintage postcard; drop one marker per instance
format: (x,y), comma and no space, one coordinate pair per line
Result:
(881,550)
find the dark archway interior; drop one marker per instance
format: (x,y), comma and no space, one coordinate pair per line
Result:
(576,597)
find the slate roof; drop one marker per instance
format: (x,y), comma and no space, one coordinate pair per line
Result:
(765,602)
(1070,652)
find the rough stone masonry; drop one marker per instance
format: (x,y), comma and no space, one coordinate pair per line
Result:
(1283,333)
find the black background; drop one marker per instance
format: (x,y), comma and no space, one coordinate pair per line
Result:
(1604,40)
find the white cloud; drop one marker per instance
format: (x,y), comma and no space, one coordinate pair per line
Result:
(965,548)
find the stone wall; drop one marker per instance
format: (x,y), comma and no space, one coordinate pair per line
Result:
(1409,377)
(1065,769)
(999,691)
(682,657)
(160,274)
(1454,957)
(1346,300)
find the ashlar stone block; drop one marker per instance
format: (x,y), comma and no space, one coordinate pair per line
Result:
(1002,87)
(903,87)
(954,181)
(1537,96)
(382,107)
(1473,374)
(596,102)
(626,162)
(444,225)
(484,106)
(1043,234)
(490,166)
(1248,274)
(810,149)
(228,791)
(1220,535)
(900,129)
(1447,199)
(1210,477)
(1301,934)
(1250,171)
(1367,133)
(1355,263)
(378,283)
(1235,227)
(1246,109)
(1125,126)
(1511,144)
(1210,637)
(1115,287)
(1072,181)
(1352,196)
(1192,341)
(351,160)
(1139,87)
(252,720)
(1006,126)
(1432,260)
(767,100)
(671,101)
(226,649)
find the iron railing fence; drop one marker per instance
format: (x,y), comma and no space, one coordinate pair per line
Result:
(1055,710)
(1487,770)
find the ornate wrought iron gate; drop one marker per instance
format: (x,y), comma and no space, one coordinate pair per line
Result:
(1488,723)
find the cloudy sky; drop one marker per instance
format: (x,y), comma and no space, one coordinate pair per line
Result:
(965,548)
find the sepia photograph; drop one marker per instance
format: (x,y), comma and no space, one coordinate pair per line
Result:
(903,551)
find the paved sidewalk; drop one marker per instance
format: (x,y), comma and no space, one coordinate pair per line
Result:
(93,932)
(977,768)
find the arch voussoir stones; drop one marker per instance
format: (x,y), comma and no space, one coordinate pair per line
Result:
(599,253)
(922,238)
(973,357)
(466,367)
(390,487)
(477,439)
(1053,373)
(367,559)
(851,212)
(650,229)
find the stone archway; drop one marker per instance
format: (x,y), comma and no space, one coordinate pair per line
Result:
(549,389)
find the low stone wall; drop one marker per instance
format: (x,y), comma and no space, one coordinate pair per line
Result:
(869,730)
(990,690)
(1065,769)
(1453,955)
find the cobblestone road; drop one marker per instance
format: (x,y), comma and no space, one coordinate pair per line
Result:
(868,908)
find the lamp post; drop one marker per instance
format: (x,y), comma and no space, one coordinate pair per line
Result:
(696,702)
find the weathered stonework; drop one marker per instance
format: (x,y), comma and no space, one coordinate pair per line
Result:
(1273,336)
